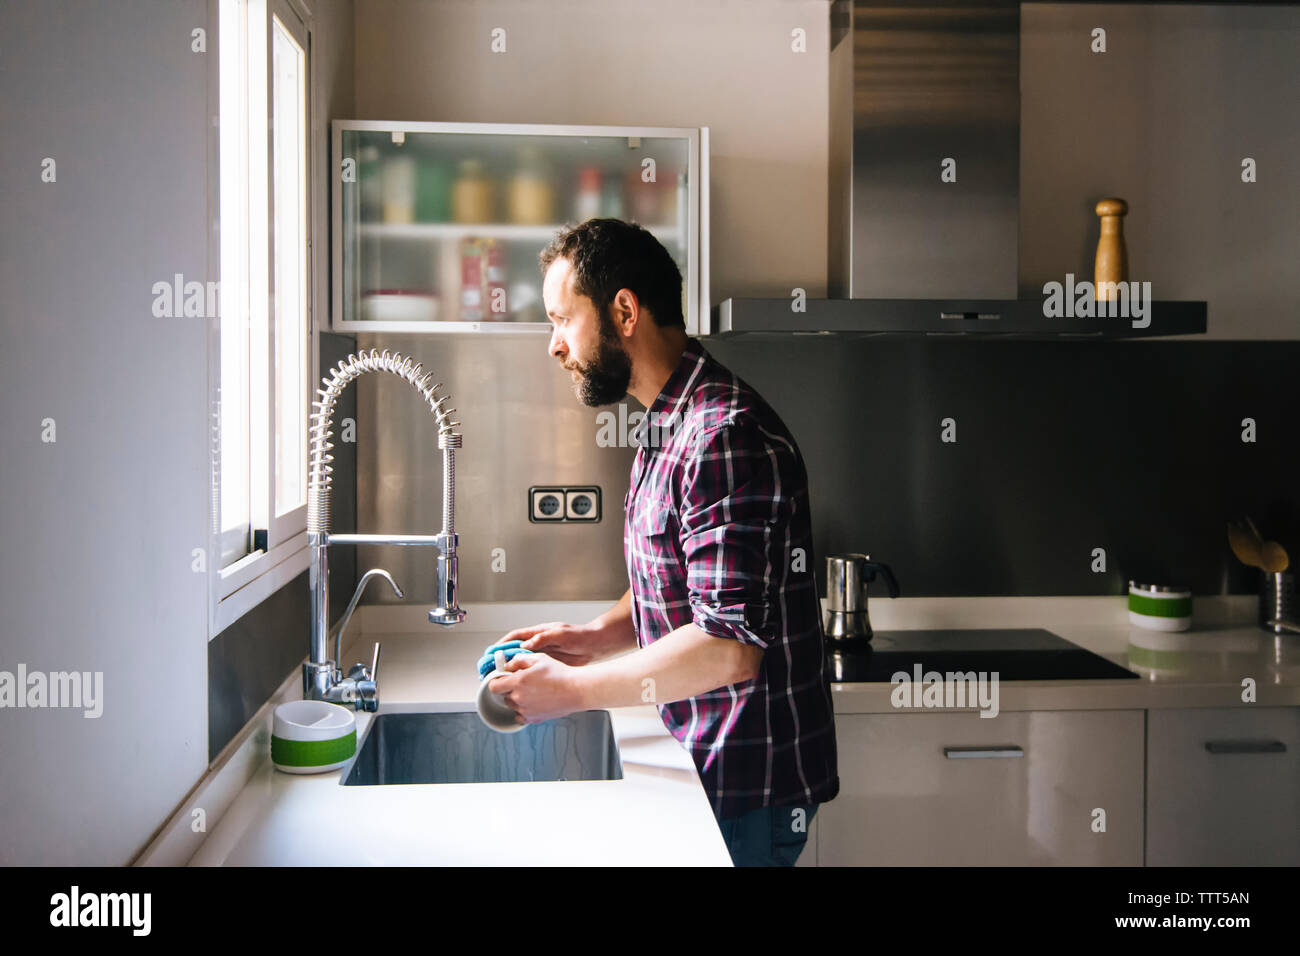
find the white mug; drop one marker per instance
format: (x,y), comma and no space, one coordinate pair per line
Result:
(492,708)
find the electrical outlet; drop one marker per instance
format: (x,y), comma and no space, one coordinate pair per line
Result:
(546,504)
(564,504)
(582,504)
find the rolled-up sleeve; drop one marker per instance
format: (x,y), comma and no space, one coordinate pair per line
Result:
(732,517)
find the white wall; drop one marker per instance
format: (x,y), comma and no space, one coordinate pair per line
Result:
(99,525)
(725,64)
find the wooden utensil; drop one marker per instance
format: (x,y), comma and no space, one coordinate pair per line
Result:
(1245,546)
(1273,557)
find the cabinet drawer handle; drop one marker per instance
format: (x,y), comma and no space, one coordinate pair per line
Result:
(981,753)
(1245,746)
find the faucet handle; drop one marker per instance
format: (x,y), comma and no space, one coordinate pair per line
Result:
(358,671)
(367,685)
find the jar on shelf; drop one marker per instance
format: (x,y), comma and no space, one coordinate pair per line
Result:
(399,189)
(471,194)
(531,194)
(433,196)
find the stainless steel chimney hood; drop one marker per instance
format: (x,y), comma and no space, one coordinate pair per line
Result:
(924,184)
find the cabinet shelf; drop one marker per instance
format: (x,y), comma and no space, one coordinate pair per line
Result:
(437,227)
(496,230)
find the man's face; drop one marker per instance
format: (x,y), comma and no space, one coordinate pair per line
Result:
(586,343)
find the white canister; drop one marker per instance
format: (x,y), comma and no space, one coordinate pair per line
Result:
(1159,607)
(312,736)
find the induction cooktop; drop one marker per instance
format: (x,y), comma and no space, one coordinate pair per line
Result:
(1026,653)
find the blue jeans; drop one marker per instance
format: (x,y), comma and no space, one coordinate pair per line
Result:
(768,836)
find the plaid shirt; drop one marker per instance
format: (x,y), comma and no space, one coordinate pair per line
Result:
(717,533)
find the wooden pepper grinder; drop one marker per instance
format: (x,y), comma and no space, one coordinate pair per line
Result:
(1112,257)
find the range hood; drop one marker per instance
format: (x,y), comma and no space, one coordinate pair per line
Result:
(912,85)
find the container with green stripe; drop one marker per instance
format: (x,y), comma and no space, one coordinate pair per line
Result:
(312,736)
(1159,607)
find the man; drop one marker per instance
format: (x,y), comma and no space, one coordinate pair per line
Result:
(722,606)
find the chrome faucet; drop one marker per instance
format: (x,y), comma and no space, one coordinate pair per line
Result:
(321,677)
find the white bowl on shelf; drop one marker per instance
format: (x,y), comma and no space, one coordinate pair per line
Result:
(395,305)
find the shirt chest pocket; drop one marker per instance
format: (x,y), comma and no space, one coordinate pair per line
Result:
(650,517)
(653,542)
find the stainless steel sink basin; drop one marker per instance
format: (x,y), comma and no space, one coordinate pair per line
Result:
(457,747)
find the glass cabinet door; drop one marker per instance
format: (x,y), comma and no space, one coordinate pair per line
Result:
(438,226)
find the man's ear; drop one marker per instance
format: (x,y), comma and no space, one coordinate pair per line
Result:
(625,310)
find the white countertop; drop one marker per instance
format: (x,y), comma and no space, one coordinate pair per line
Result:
(658,814)
(1203,667)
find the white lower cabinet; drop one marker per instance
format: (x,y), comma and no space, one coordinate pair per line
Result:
(1223,787)
(957,789)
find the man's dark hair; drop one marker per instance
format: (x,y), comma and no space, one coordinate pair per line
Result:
(608,255)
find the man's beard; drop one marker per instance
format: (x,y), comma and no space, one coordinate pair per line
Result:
(605,380)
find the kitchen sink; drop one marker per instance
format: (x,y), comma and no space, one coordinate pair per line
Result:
(457,747)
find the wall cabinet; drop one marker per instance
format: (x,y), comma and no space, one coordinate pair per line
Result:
(437,226)
(957,789)
(1223,787)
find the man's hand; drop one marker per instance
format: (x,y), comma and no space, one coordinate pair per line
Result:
(539,688)
(573,644)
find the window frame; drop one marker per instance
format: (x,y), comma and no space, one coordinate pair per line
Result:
(280,554)
(282,528)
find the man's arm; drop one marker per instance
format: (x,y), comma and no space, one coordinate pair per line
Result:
(685,663)
(580,644)
(615,626)
(682,664)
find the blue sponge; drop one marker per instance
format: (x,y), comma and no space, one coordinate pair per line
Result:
(487,663)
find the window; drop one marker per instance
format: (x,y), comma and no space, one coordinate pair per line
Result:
(265,323)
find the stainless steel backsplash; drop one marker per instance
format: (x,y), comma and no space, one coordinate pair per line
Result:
(522,426)
(1052,462)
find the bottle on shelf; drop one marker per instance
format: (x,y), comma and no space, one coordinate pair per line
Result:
(531,195)
(483,295)
(587,200)
(399,189)
(471,280)
(495,303)
(471,194)
(433,195)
